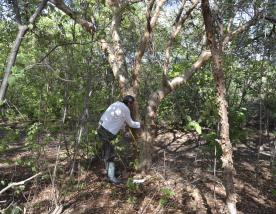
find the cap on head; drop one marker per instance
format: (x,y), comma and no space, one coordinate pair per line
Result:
(128,99)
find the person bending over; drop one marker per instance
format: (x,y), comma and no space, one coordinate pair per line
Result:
(116,116)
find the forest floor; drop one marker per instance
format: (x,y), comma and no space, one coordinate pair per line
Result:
(181,180)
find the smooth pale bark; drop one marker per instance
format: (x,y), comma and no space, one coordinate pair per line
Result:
(22,30)
(224,140)
(114,50)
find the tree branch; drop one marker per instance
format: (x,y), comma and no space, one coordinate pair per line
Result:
(157,96)
(240,29)
(125,3)
(202,59)
(87,26)
(235,8)
(179,22)
(116,55)
(19,183)
(271,19)
(60,45)
(38,11)
(174,33)
(151,21)
(115,52)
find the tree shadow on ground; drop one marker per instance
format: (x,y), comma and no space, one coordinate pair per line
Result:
(181,163)
(179,155)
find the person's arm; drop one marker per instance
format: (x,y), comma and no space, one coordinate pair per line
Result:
(130,122)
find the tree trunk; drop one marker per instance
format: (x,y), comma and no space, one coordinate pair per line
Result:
(224,140)
(13,54)
(11,60)
(148,133)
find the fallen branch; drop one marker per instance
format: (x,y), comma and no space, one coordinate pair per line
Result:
(19,183)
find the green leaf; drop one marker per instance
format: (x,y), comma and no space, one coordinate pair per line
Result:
(166,195)
(12,80)
(30,26)
(193,125)
(163,201)
(33,169)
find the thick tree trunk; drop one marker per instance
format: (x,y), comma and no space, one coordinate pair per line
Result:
(148,133)
(224,140)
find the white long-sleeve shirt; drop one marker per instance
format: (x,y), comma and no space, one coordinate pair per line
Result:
(116,116)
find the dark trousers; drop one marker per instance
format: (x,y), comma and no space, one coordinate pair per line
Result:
(108,151)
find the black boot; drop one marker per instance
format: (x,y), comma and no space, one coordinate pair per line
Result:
(111,173)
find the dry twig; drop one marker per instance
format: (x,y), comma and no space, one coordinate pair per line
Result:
(19,183)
